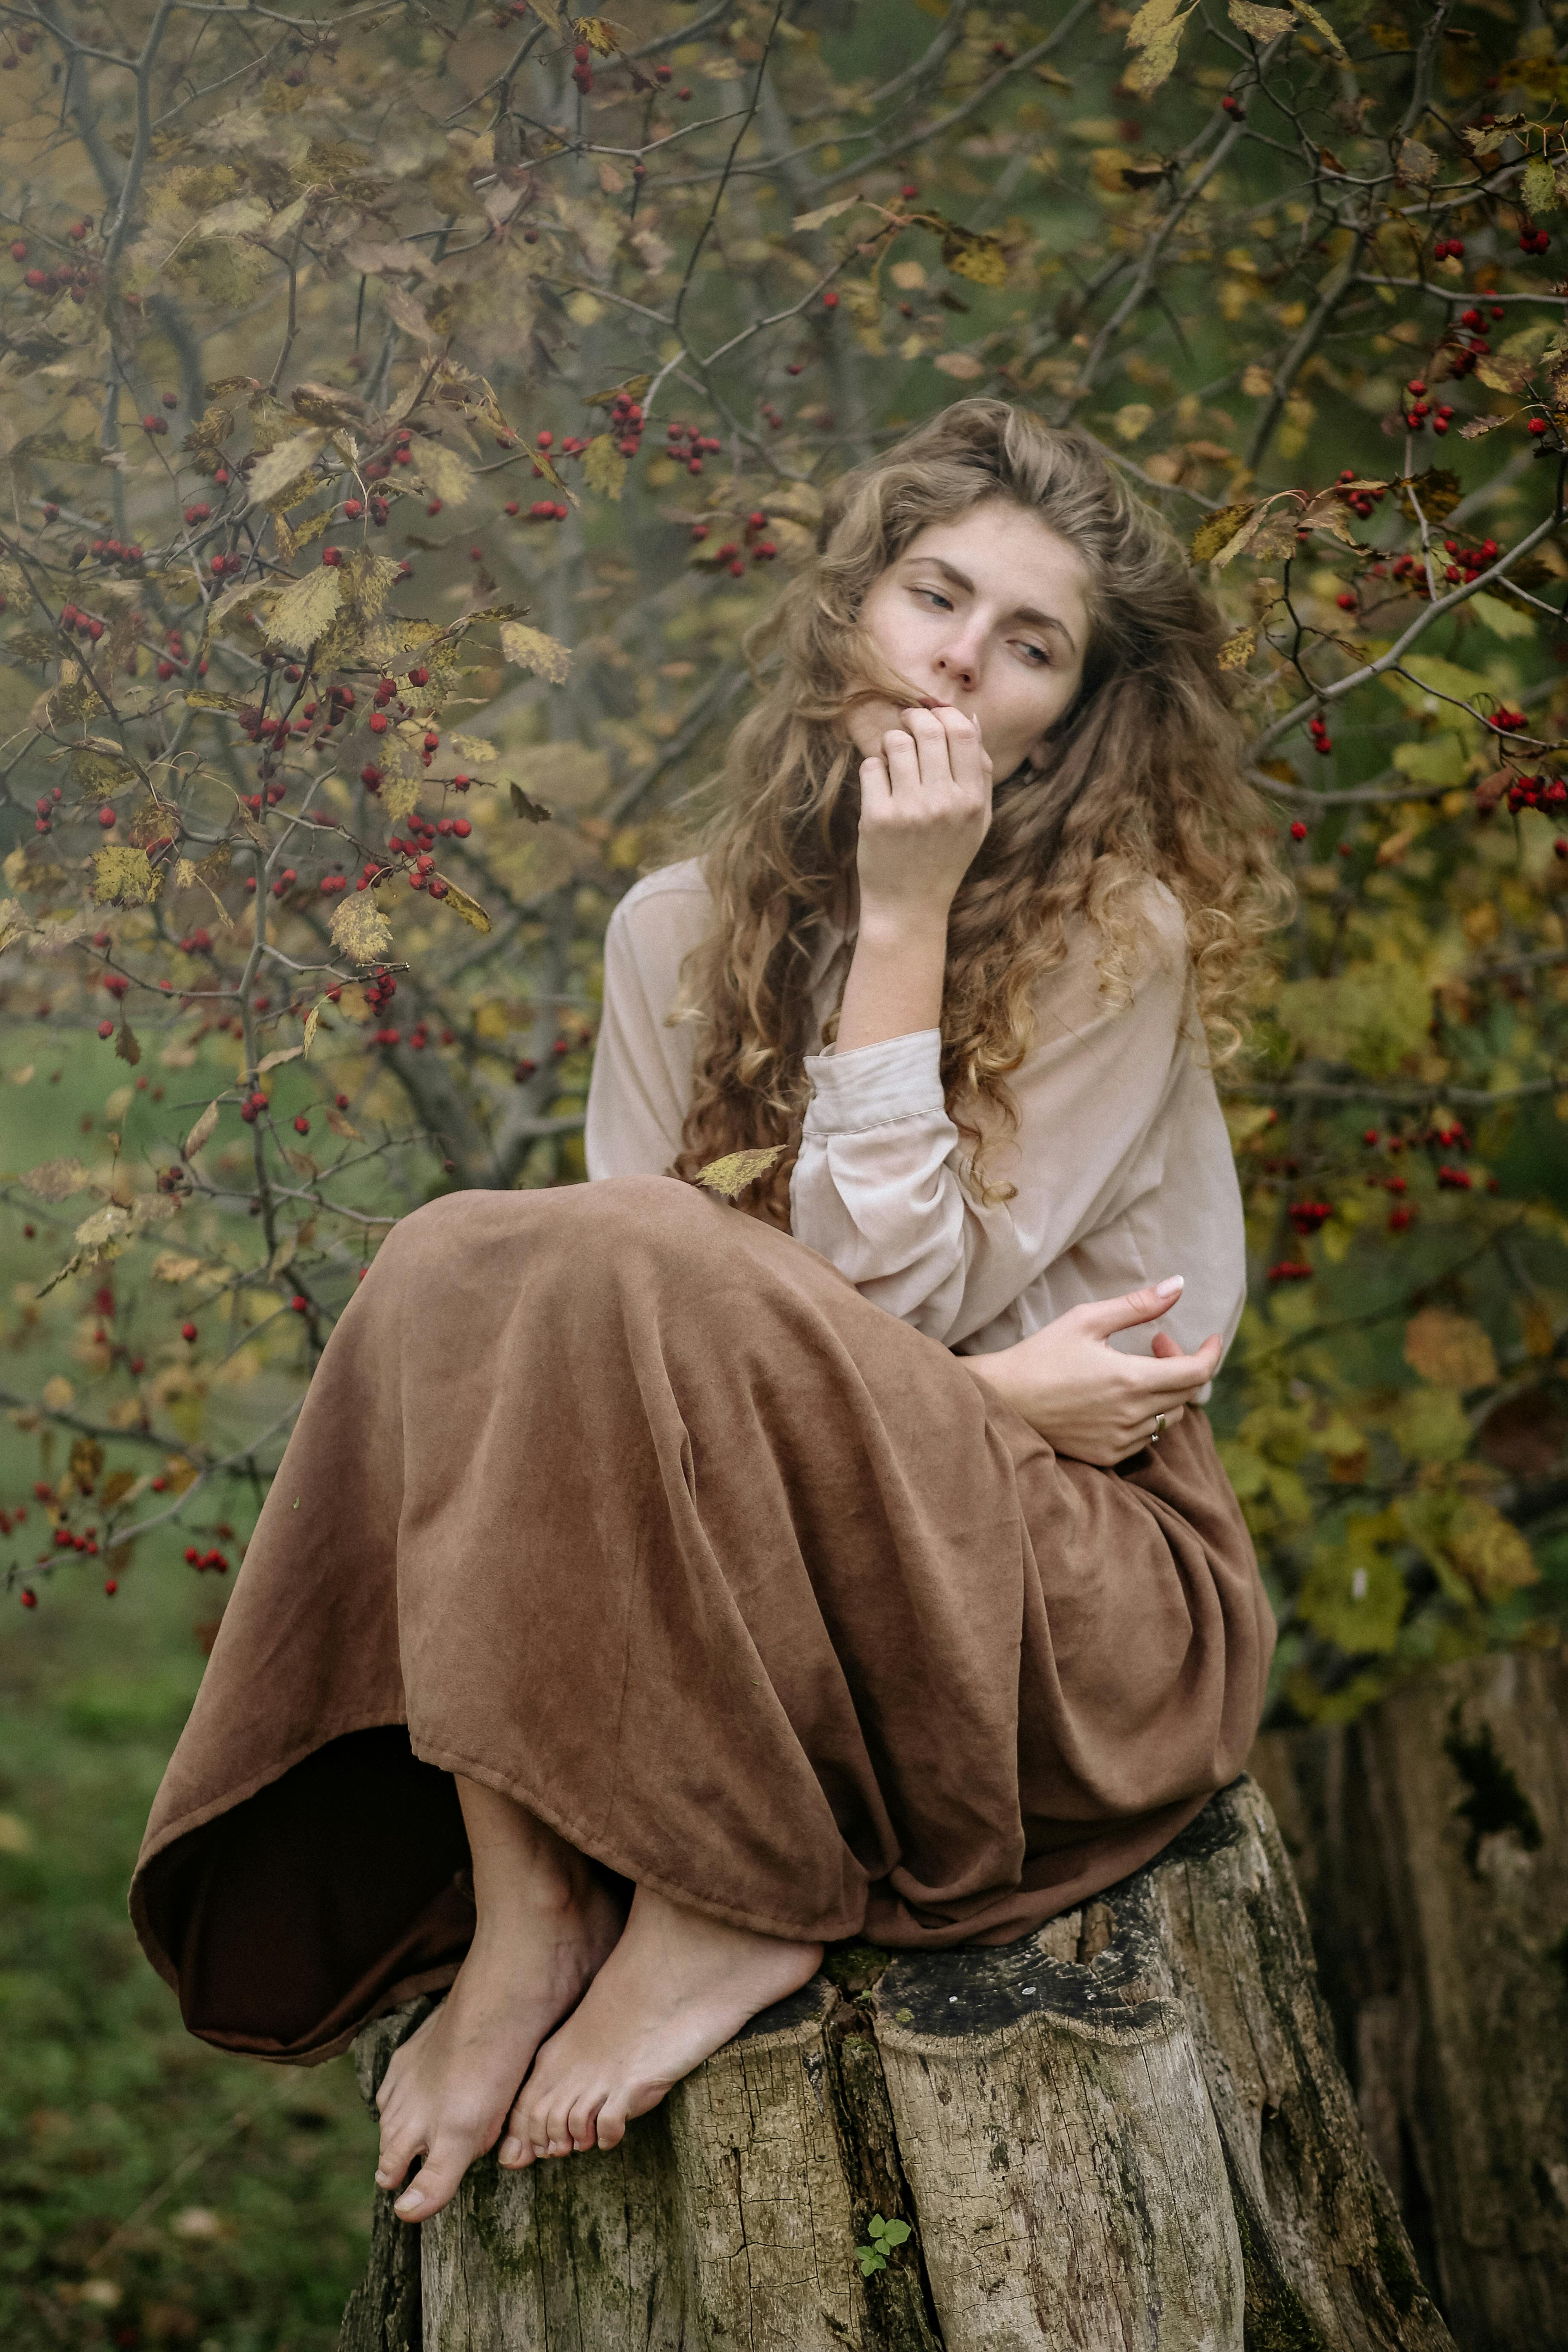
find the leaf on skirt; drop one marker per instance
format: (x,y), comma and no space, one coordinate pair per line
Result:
(736,1169)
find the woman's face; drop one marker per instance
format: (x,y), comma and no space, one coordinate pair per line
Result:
(988,613)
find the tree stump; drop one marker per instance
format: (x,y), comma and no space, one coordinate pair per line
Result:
(1127,2131)
(1432,1838)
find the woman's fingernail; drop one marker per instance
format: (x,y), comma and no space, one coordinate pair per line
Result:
(409,2205)
(511,2149)
(1169,1288)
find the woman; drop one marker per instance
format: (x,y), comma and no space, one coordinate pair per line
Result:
(652,1593)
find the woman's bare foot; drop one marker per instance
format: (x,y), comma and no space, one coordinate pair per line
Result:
(545,1924)
(676,1987)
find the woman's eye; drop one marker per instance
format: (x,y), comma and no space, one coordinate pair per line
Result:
(1042,659)
(936,596)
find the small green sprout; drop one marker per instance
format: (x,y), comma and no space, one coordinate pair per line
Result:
(884,2237)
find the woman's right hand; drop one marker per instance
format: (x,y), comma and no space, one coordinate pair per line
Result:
(925,808)
(1087,1399)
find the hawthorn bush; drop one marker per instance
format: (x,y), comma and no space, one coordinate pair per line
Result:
(406,413)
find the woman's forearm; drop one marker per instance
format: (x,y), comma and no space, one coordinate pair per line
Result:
(895,983)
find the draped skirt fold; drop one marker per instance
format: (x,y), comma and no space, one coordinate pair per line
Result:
(632,1507)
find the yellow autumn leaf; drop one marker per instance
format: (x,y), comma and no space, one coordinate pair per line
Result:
(1156,33)
(173,1265)
(202,1131)
(603,467)
(1320,26)
(1450,1350)
(1238,651)
(444,474)
(122,875)
(1263,24)
(360,930)
(56,1180)
(283,466)
(304,610)
(732,1173)
(461,904)
(1488,1551)
(531,649)
(1216,531)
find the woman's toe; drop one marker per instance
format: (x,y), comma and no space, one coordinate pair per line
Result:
(610,2125)
(583,2122)
(398,2150)
(436,2183)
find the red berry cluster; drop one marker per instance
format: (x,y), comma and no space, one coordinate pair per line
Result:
(627,424)
(1317,729)
(548,510)
(201,1561)
(1468,563)
(1530,238)
(118,549)
(1462,361)
(1448,248)
(1535,793)
(1507,722)
(1309,1216)
(84,625)
(1359,502)
(688,444)
(731,555)
(1418,409)
(1289,1269)
(250,1110)
(583,66)
(1453,1180)
(74,279)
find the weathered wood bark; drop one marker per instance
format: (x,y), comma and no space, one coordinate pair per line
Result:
(1432,1839)
(1128,2132)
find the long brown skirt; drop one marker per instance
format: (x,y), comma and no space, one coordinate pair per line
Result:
(623,1503)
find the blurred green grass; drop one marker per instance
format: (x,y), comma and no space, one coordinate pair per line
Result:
(152,2191)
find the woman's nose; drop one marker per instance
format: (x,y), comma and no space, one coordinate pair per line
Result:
(961,662)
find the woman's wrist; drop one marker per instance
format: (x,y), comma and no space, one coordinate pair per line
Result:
(896,977)
(992,1373)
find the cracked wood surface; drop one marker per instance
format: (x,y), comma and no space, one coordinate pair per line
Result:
(1431,1837)
(1128,2133)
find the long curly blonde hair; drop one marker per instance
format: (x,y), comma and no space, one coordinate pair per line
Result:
(1143,778)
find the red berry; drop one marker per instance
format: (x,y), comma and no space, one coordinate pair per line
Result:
(830,299)
(106,818)
(300,1304)
(1298,831)
(187,1330)
(1537,425)
(301,1125)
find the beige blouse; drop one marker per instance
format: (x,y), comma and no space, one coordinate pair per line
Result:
(1122,1158)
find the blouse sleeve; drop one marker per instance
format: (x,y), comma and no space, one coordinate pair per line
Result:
(641,1079)
(876,1189)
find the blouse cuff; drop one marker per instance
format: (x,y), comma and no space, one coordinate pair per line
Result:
(873,1086)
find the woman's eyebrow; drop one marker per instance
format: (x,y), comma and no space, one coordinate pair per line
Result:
(1029,613)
